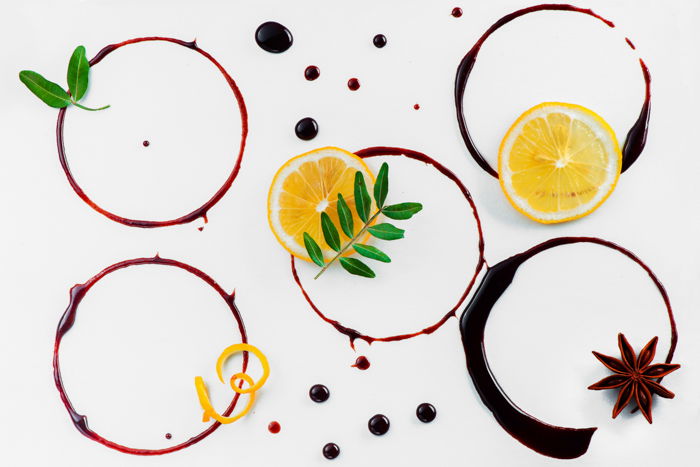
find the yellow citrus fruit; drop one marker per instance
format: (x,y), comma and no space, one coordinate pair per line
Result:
(558,162)
(307,185)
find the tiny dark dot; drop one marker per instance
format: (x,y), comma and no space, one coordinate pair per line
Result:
(274,427)
(456,12)
(378,425)
(416,106)
(426,412)
(146,143)
(306,128)
(311,73)
(362,363)
(379,41)
(319,393)
(353,84)
(168,436)
(331,451)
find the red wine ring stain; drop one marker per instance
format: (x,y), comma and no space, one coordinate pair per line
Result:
(200,211)
(353,334)
(77,293)
(636,136)
(549,440)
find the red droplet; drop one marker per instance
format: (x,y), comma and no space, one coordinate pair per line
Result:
(353,84)
(274,427)
(168,436)
(146,143)
(416,106)
(361,363)
(456,12)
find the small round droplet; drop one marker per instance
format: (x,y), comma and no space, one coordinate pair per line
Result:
(273,37)
(456,12)
(311,73)
(379,41)
(353,84)
(416,106)
(146,143)
(378,425)
(319,393)
(426,412)
(306,128)
(168,436)
(274,427)
(331,451)
(361,363)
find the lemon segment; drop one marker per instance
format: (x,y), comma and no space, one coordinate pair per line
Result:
(558,162)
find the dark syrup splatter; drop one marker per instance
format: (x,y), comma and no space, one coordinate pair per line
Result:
(426,412)
(168,436)
(200,211)
(306,128)
(319,393)
(273,37)
(274,427)
(353,334)
(378,425)
(637,135)
(456,12)
(630,43)
(362,363)
(379,41)
(549,440)
(77,293)
(311,73)
(331,451)
(146,143)
(353,84)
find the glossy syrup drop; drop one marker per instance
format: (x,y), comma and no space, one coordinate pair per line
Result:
(416,106)
(274,427)
(312,73)
(146,143)
(362,363)
(426,412)
(331,451)
(168,436)
(378,425)
(353,84)
(379,41)
(273,37)
(319,393)
(456,12)
(306,128)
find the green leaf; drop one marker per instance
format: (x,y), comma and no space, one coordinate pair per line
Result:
(356,267)
(330,233)
(381,186)
(52,94)
(386,231)
(345,217)
(402,211)
(371,252)
(313,249)
(363,202)
(78,70)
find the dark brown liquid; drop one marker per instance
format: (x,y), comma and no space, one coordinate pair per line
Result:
(353,84)
(456,12)
(426,412)
(77,293)
(146,143)
(306,129)
(312,73)
(200,211)
(378,425)
(319,393)
(273,37)
(637,135)
(550,440)
(353,334)
(331,451)
(361,363)
(274,427)
(379,41)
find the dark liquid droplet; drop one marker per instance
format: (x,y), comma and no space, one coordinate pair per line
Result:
(331,451)
(306,128)
(319,393)
(456,12)
(146,143)
(378,425)
(361,363)
(379,41)
(426,412)
(274,427)
(416,106)
(311,73)
(273,37)
(353,84)
(168,436)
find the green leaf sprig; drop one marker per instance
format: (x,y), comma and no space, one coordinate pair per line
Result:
(363,207)
(54,95)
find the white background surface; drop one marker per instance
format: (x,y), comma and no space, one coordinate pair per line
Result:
(142,335)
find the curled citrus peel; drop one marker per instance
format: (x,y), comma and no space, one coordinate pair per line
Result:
(203,394)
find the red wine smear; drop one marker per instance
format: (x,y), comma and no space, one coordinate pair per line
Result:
(77,293)
(353,334)
(200,211)
(637,135)
(549,440)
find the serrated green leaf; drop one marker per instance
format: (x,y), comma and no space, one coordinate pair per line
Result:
(363,202)
(313,250)
(345,217)
(330,233)
(356,267)
(51,93)
(78,71)
(402,211)
(381,186)
(368,251)
(386,231)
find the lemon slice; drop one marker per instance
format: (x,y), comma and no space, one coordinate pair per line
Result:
(307,185)
(558,162)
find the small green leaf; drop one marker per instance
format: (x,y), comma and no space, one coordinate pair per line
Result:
(51,93)
(381,186)
(402,211)
(356,267)
(330,233)
(78,70)
(386,231)
(371,252)
(363,202)
(345,217)
(313,249)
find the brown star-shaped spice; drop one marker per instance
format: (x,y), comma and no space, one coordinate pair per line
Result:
(634,376)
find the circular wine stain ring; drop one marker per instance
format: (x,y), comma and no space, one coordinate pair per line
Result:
(200,211)
(77,293)
(419,156)
(636,136)
(549,440)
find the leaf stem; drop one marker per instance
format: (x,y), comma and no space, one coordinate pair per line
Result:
(350,243)
(88,108)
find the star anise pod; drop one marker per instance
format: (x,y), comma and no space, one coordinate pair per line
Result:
(634,376)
